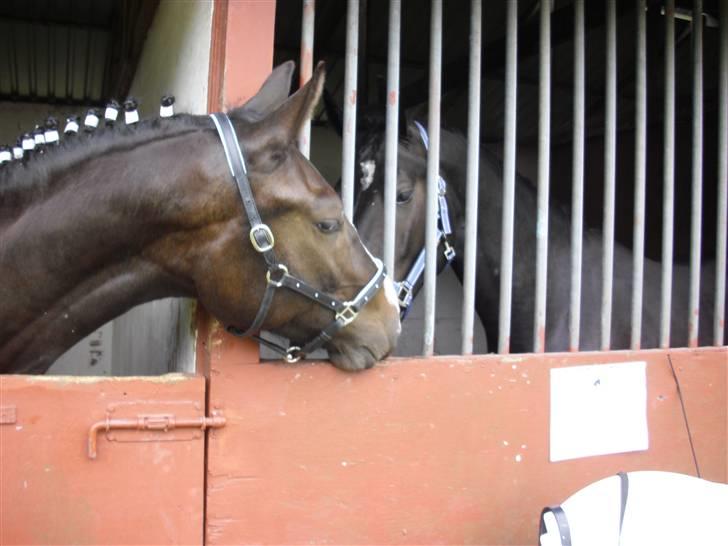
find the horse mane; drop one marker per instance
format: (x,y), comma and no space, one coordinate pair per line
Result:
(21,182)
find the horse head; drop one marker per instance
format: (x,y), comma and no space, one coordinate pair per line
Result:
(312,235)
(411,196)
(138,214)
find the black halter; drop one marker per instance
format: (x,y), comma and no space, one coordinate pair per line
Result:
(277,276)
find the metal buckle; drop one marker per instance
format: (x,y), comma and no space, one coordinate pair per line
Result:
(449,252)
(404,294)
(279,281)
(268,235)
(347,314)
(293,354)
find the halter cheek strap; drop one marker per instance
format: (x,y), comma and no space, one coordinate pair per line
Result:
(277,275)
(405,289)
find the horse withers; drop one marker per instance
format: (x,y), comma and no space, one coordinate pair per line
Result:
(410,240)
(113,219)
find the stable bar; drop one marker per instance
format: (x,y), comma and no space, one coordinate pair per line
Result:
(610,161)
(348,151)
(668,170)
(640,173)
(544,155)
(433,171)
(509,180)
(471,178)
(307,25)
(392,134)
(720,252)
(697,175)
(577,192)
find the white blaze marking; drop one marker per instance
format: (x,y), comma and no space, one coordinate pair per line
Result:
(368,168)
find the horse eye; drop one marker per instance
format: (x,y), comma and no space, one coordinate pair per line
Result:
(328,226)
(404,196)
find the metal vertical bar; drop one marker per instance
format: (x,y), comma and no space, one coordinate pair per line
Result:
(544,150)
(471,177)
(697,174)
(349,140)
(577,195)
(433,171)
(509,180)
(307,25)
(722,235)
(392,133)
(640,170)
(610,153)
(668,169)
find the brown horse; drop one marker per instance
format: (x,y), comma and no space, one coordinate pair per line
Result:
(108,221)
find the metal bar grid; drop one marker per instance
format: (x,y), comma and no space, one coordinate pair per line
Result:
(509,181)
(577,195)
(544,156)
(307,27)
(721,238)
(433,170)
(471,190)
(668,169)
(697,175)
(350,100)
(640,173)
(610,163)
(392,133)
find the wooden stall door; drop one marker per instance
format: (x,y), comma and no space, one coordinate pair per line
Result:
(142,487)
(447,450)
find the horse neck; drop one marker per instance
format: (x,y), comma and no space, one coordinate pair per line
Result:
(490,218)
(101,237)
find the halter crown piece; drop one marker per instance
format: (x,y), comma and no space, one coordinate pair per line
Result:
(277,276)
(405,289)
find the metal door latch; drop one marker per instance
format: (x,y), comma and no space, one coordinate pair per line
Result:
(154,422)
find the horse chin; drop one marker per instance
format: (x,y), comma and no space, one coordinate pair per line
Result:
(352,359)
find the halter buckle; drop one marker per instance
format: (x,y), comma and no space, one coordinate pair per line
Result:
(404,294)
(277,282)
(347,314)
(449,252)
(269,242)
(294,354)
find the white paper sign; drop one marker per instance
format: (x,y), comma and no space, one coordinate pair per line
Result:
(598,410)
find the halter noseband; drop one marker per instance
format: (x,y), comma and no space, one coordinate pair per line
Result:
(277,276)
(405,289)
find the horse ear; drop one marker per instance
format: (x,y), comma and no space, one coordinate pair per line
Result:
(415,139)
(272,93)
(333,113)
(291,115)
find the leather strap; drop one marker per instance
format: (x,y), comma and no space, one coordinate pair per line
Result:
(561,521)
(277,276)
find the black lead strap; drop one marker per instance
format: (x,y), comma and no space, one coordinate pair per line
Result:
(277,276)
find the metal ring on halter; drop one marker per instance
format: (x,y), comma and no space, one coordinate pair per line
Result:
(293,354)
(270,240)
(279,281)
